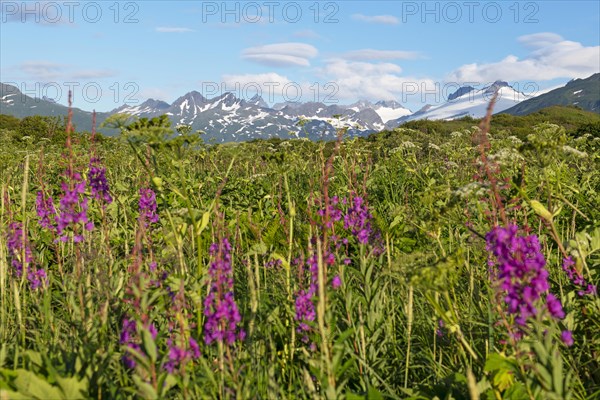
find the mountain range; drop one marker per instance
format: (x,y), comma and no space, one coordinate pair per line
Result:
(227,118)
(583,93)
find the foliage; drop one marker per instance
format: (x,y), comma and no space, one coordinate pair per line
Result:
(355,269)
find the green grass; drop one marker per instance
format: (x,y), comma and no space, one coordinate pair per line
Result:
(376,336)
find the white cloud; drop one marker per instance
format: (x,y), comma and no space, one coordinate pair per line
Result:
(173,29)
(550,57)
(307,34)
(93,74)
(376,19)
(541,39)
(42,70)
(281,54)
(269,85)
(48,71)
(260,79)
(372,54)
(375,81)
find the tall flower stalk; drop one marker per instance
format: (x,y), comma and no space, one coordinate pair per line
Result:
(522,277)
(223,318)
(21,256)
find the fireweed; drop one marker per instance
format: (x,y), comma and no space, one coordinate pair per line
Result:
(45,210)
(147,206)
(222,314)
(358,226)
(20,255)
(180,355)
(577,279)
(130,338)
(521,275)
(182,348)
(73,208)
(97,182)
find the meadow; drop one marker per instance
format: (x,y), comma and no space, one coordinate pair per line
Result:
(449,260)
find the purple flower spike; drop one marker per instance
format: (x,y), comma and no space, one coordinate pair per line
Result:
(567,338)
(128,337)
(16,249)
(336,282)
(98,183)
(73,208)
(577,278)
(147,206)
(554,306)
(521,275)
(45,210)
(223,317)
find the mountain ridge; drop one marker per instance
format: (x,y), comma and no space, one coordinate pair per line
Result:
(228,118)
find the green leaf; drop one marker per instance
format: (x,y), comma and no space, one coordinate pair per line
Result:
(541,211)
(374,394)
(557,373)
(72,387)
(352,396)
(7,394)
(32,385)
(497,362)
(205,220)
(145,390)
(149,345)
(503,379)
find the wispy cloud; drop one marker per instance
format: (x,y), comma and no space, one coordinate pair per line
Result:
(93,74)
(307,34)
(173,29)
(47,71)
(42,70)
(377,19)
(268,85)
(281,54)
(376,81)
(372,54)
(550,57)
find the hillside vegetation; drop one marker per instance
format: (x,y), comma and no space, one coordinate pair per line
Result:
(438,260)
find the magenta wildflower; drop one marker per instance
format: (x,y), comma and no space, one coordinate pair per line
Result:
(554,306)
(273,263)
(521,274)
(20,254)
(222,314)
(179,356)
(439,332)
(147,206)
(577,278)
(37,277)
(98,183)
(336,282)
(305,312)
(16,246)
(567,338)
(129,339)
(45,210)
(73,210)
(358,220)
(194,348)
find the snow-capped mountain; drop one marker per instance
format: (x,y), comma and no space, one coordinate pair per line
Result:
(468,101)
(227,118)
(583,93)
(390,110)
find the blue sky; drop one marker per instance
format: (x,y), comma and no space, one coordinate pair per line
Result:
(415,52)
